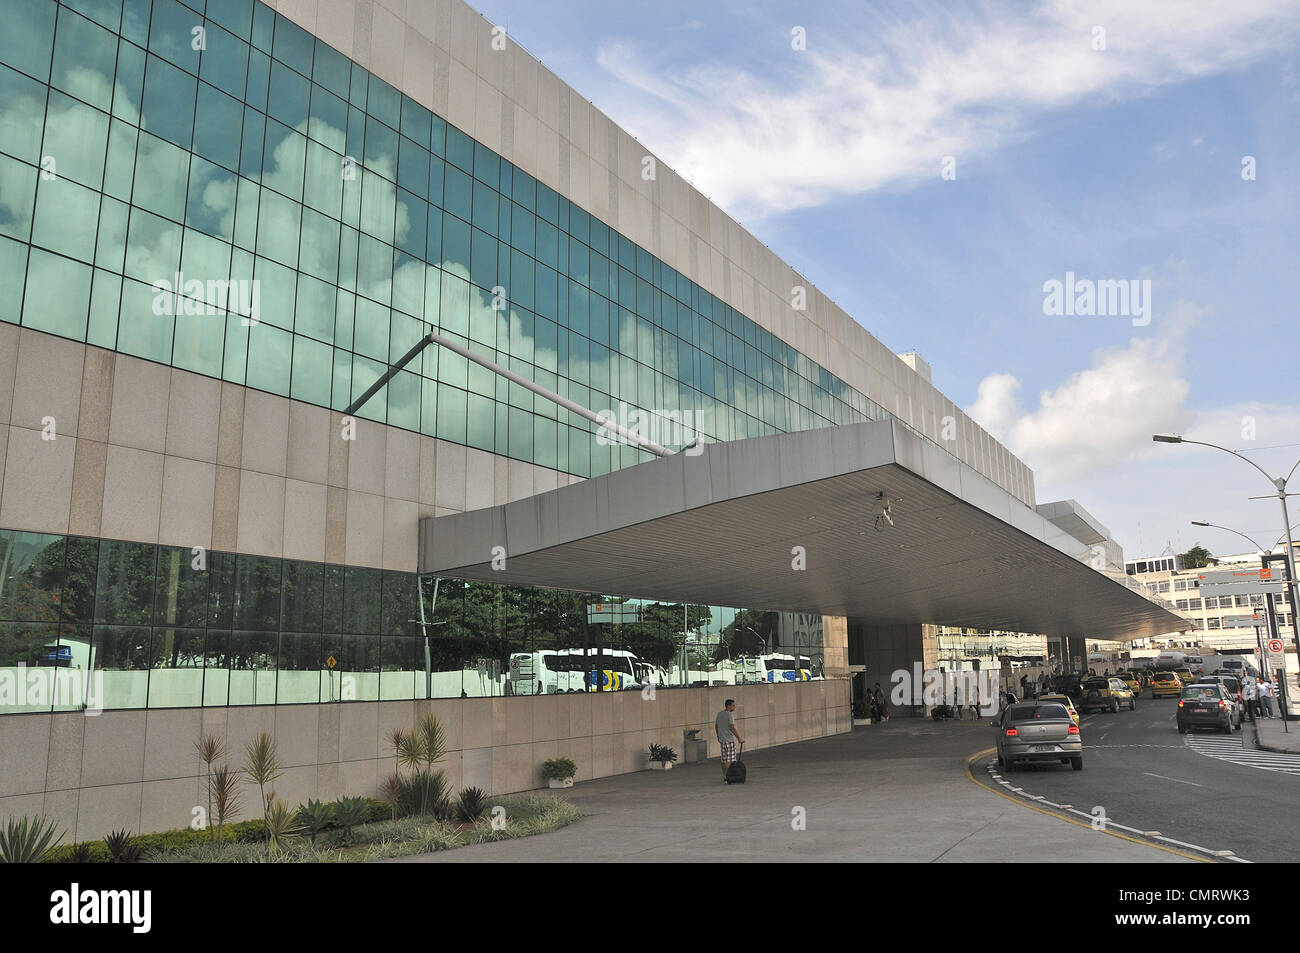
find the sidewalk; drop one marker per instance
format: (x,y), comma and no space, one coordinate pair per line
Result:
(891,792)
(1271,736)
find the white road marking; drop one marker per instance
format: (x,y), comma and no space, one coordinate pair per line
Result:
(1110,824)
(1176,780)
(1234,751)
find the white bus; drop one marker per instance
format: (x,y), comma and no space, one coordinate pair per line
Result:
(776,667)
(559,671)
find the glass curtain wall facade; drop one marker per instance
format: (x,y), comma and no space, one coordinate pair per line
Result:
(315,223)
(167,627)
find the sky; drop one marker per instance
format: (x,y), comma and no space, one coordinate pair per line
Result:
(934,167)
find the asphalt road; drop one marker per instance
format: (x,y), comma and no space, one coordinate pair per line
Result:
(1206,789)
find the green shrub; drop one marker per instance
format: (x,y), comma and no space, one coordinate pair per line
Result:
(557,769)
(97,851)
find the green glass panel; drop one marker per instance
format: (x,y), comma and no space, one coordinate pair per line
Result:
(66,216)
(58,295)
(212,197)
(314,310)
(312,366)
(277,286)
(371,332)
(120,160)
(85,59)
(13,274)
(234,364)
(162,175)
(278,228)
(218,115)
(451,413)
(142,329)
(269,358)
(26,41)
(319,252)
(153,247)
(200,342)
(23,115)
(76,137)
(105,301)
(168,108)
(171,34)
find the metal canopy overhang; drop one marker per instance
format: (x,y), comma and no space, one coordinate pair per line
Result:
(720,528)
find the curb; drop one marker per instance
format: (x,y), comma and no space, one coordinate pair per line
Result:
(1263,747)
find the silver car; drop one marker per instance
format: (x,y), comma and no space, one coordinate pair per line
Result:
(1038,733)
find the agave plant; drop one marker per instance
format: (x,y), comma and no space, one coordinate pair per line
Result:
(121,849)
(80,853)
(351,811)
(471,804)
(26,841)
(315,817)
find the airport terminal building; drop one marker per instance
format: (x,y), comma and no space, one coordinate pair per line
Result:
(222,222)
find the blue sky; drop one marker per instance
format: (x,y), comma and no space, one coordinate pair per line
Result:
(1117,163)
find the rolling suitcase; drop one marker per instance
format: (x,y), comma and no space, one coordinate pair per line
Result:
(736,770)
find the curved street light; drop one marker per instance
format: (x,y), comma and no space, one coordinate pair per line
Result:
(1279,484)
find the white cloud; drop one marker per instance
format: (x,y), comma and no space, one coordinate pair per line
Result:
(1099,417)
(858,112)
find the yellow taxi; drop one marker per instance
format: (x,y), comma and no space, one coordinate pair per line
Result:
(1166,684)
(1132,680)
(1061,700)
(1185,675)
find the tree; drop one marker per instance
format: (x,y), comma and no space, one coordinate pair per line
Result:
(1198,557)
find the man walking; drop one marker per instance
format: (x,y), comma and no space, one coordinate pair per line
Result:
(725,725)
(1266,698)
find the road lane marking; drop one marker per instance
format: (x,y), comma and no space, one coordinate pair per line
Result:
(1175,780)
(1069,820)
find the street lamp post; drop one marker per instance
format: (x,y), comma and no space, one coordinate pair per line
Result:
(1279,484)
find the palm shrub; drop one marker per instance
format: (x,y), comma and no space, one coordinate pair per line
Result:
(210,749)
(225,792)
(281,831)
(262,765)
(418,750)
(315,817)
(25,841)
(471,804)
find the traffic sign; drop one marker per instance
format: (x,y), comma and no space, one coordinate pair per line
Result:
(1240,587)
(1241,621)
(1275,645)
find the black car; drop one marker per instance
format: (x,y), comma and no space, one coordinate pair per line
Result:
(1208,705)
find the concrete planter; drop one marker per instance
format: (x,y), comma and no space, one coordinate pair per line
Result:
(558,783)
(861,721)
(661,765)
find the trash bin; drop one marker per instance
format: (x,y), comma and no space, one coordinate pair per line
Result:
(694,748)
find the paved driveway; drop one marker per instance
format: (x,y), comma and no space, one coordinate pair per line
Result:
(891,792)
